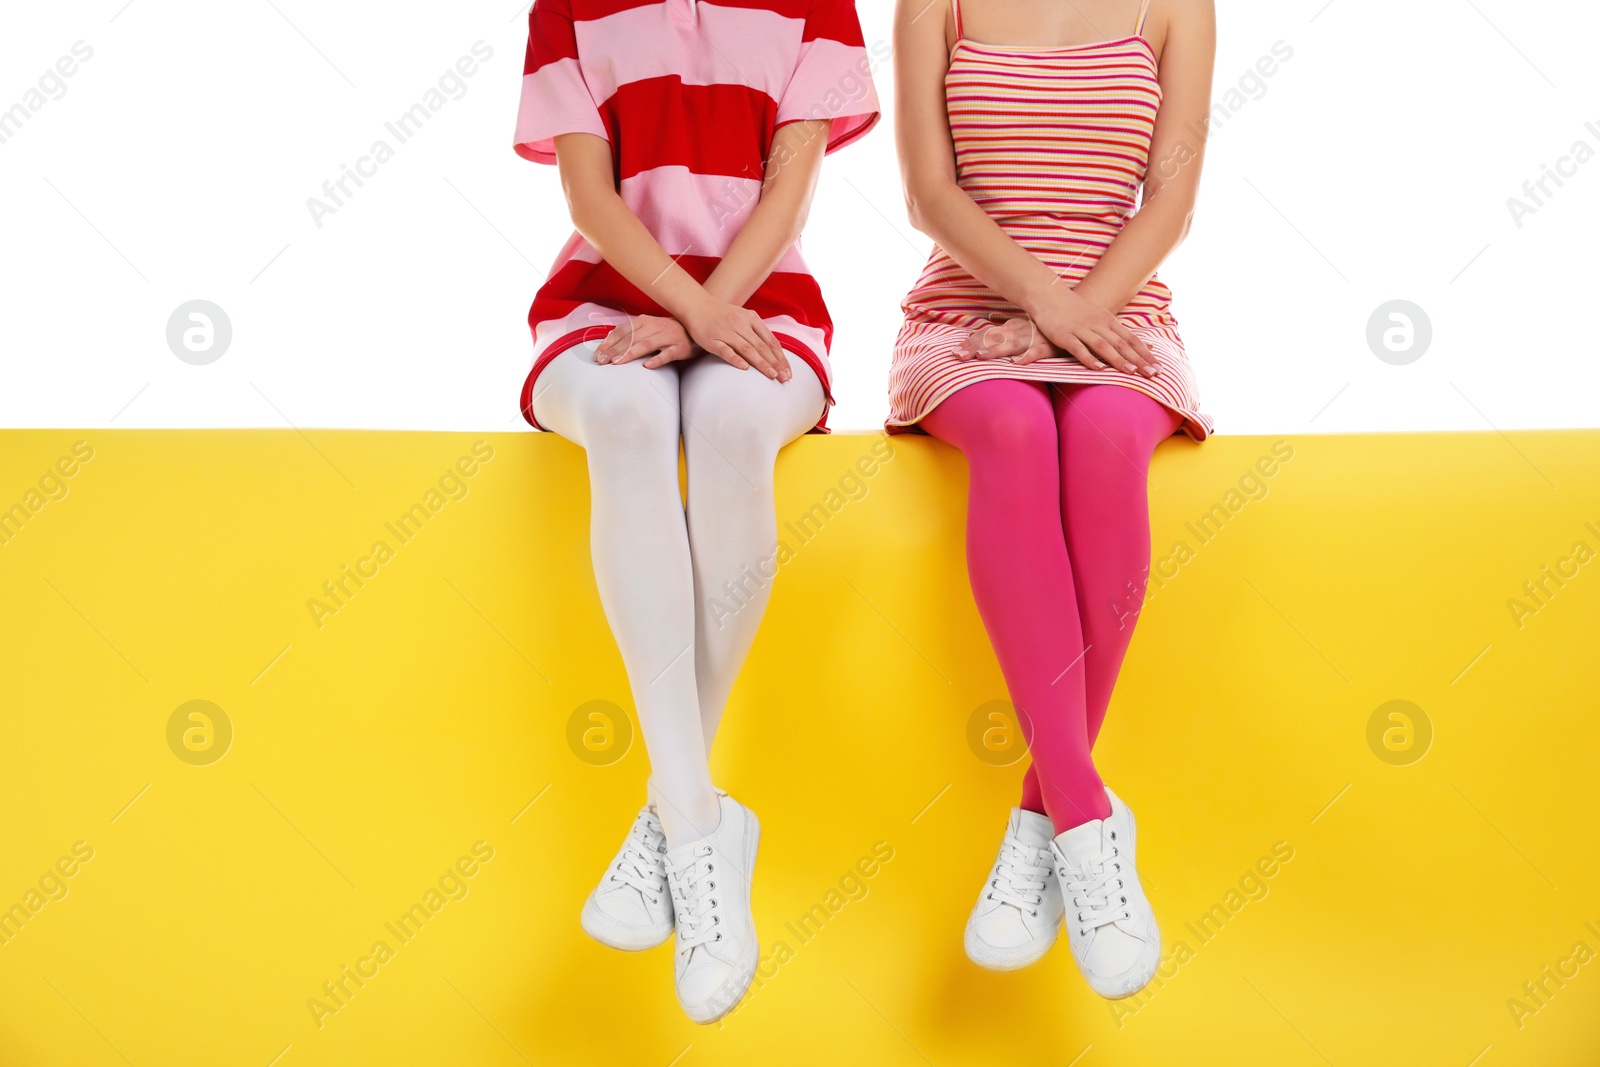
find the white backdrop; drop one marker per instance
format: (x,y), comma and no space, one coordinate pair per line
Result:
(162,151)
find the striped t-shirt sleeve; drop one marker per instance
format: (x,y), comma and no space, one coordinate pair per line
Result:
(833,79)
(555,97)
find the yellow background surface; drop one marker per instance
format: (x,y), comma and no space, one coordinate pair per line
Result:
(374,748)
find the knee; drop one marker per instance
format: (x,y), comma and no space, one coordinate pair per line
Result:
(727,440)
(1109,421)
(1013,433)
(630,422)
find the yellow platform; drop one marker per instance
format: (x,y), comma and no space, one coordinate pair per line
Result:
(1341,879)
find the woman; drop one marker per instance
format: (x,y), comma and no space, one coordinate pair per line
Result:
(689,137)
(1039,342)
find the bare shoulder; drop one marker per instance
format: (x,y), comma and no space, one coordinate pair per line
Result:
(923,15)
(1183,22)
(1184,16)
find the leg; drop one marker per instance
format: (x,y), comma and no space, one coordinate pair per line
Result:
(734,423)
(1108,435)
(1022,580)
(626,418)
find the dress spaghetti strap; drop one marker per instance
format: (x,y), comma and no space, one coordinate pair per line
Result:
(955,5)
(1138,31)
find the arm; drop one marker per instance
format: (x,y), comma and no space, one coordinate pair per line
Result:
(605,220)
(1189,43)
(775,224)
(771,230)
(941,209)
(794,163)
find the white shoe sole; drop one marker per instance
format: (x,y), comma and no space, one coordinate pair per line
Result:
(994,958)
(613,934)
(740,980)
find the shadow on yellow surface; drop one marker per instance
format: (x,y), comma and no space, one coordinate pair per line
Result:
(414,755)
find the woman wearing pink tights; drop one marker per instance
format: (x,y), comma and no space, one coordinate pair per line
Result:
(1040,343)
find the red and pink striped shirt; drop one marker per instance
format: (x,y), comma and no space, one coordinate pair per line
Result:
(689,94)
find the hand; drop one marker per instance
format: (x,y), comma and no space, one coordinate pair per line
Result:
(1091,334)
(662,339)
(738,336)
(1015,340)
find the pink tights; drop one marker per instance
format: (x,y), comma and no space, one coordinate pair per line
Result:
(1058,552)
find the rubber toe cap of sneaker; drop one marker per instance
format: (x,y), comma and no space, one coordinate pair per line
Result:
(708,992)
(1002,929)
(624,906)
(1114,953)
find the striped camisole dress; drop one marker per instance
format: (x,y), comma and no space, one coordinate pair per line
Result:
(1054,144)
(689,93)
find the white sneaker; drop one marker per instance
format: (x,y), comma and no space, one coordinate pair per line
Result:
(1018,914)
(631,909)
(1110,925)
(717,949)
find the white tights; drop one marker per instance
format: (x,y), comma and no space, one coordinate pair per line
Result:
(683,631)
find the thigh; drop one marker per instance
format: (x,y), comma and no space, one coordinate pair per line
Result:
(730,412)
(1002,415)
(591,404)
(1111,422)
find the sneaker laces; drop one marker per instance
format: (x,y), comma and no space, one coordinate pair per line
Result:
(695,901)
(1020,875)
(639,866)
(1096,891)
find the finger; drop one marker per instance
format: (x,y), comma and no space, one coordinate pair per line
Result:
(730,353)
(1107,351)
(1012,336)
(726,352)
(1015,338)
(1128,346)
(777,357)
(1106,347)
(645,341)
(1034,352)
(1147,367)
(754,350)
(757,356)
(631,353)
(639,345)
(608,347)
(1080,352)
(669,354)
(1133,339)
(993,342)
(773,352)
(984,340)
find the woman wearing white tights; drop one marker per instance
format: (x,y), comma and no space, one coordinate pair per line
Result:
(661,571)
(682,312)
